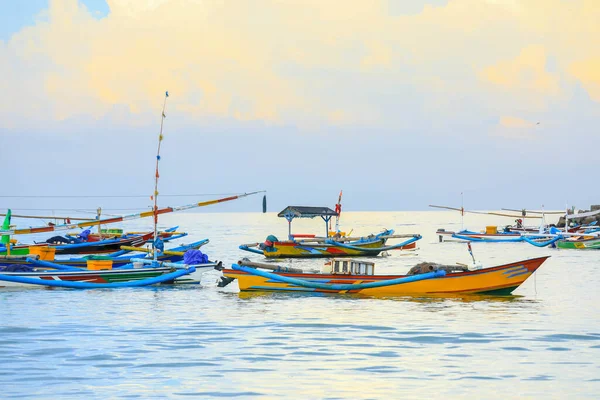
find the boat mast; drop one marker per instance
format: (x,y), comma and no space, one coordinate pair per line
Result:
(543,221)
(99,217)
(338,210)
(156,176)
(462,212)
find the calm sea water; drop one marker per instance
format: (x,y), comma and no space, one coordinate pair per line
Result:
(207,342)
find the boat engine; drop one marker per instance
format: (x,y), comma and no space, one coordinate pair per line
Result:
(425,267)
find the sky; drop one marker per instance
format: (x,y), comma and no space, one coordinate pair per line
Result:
(401,104)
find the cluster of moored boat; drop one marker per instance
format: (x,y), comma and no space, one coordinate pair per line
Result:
(110,259)
(102,260)
(124,262)
(575,236)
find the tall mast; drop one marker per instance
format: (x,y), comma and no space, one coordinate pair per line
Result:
(462,211)
(156,176)
(338,210)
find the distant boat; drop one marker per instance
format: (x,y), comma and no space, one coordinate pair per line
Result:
(492,234)
(579,242)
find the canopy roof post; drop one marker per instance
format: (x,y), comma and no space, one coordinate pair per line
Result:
(289,216)
(326,219)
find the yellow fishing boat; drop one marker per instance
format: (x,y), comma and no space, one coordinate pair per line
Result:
(357,276)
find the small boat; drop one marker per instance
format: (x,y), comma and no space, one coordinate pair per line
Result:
(494,234)
(490,235)
(312,246)
(132,275)
(118,259)
(84,247)
(579,242)
(580,237)
(357,276)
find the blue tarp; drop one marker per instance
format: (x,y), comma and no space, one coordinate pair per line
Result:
(195,257)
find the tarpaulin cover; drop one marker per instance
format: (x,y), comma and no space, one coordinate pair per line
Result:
(195,257)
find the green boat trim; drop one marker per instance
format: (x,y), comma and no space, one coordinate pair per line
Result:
(593,243)
(16,252)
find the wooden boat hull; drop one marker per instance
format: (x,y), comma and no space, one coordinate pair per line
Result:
(370,245)
(592,243)
(292,249)
(98,247)
(104,276)
(20,251)
(120,261)
(82,262)
(450,236)
(500,280)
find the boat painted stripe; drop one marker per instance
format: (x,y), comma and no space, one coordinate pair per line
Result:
(515,269)
(517,274)
(312,280)
(273,288)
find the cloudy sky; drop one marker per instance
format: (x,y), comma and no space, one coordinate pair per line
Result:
(399,103)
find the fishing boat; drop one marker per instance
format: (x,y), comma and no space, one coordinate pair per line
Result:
(493,233)
(87,243)
(100,272)
(118,259)
(490,235)
(131,275)
(579,242)
(312,246)
(579,237)
(357,277)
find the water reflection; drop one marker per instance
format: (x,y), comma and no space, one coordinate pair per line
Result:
(420,298)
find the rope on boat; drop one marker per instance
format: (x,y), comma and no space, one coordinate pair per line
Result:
(89,285)
(338,287)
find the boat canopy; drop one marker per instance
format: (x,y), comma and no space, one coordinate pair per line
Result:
(306,212)
(291,212)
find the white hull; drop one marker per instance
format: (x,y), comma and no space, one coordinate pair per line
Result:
(447,236)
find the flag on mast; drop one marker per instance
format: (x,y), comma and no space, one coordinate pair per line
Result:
(338,210)
(6,226)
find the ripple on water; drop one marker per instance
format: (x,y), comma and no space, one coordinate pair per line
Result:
(211,343)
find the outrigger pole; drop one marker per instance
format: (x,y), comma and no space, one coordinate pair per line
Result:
(462,211)
(52,217)
(123,218)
